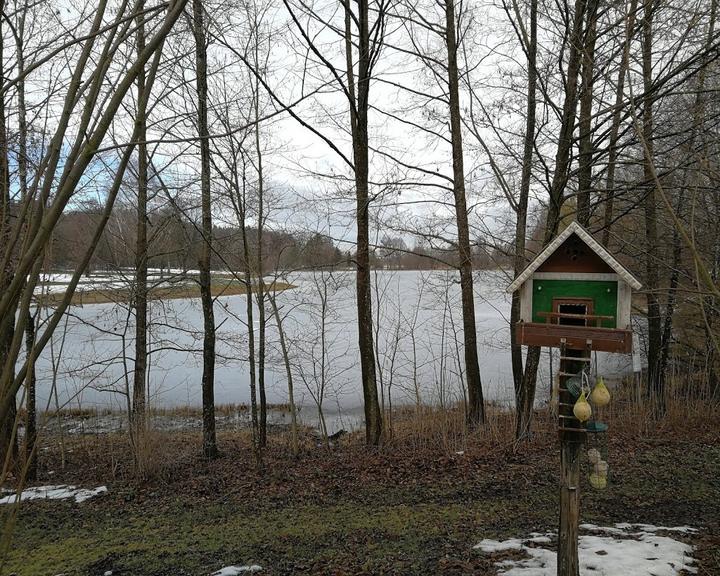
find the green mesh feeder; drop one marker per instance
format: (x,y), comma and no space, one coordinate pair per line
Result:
(596,450)
(574,385)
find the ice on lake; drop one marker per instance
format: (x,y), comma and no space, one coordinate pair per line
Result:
(418,336)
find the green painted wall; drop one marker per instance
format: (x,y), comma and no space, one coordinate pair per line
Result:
(603,294)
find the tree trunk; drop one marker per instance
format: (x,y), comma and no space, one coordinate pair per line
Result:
(250,319)
(140,366)
(654,383)
(30,403)
(8,442)
(475,410)
(666,334)
(359,126)
(30,380)
(567,125)
(689,180)
(522,419)
(709,303)
(585,159)
(261,365)
(615,126)
(288,373)
(526,398)
(8,439)
(208,376)
(260,271)
(710,312)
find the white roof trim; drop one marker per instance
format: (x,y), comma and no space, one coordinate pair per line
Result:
(575,228)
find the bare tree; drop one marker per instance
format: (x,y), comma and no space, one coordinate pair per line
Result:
(617,117)
(475,411)
(363,41)
(92,103)
(369,42)
(208,378)
(260,293)
(528,40)
(272,297)
(448,26)
(650,206)
(141,249)
(320,348)
(585,158)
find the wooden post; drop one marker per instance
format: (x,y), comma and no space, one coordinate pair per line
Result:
(572,437)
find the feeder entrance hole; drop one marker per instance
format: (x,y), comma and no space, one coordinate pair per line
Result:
(573,312)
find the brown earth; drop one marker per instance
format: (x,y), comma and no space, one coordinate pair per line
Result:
(414,507)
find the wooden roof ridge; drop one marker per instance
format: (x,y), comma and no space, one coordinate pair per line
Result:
(594,245)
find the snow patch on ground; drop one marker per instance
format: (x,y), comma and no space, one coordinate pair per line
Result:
(642,527)
(628,549)
(237,570)
(60,492)
(492,546)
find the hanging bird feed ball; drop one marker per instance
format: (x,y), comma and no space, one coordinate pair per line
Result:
(598,482)
(600,395)
(582,410)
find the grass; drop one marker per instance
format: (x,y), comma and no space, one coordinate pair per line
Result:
(187,539)
(415,507)
(220,287)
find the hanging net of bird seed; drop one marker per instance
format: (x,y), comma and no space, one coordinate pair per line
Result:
(596,445)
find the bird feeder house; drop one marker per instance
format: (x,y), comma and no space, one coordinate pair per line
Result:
(575,294)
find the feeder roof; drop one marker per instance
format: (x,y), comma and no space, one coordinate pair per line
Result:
(595,246)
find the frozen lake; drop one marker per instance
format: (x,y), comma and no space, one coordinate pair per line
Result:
(418,342)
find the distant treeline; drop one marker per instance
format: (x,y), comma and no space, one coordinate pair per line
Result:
(174,241)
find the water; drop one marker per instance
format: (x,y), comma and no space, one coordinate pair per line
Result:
(418,344)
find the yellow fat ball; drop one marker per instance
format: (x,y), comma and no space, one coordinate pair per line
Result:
(582,409)
(600,395)
(598,482)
